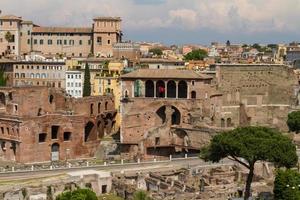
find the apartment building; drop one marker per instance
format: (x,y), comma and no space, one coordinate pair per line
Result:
(51,74)
(74,83)
(19,37)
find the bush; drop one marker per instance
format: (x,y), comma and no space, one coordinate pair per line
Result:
(79,194)
(286,185)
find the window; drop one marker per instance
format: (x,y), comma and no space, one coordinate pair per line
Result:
(99,40)
(108,41)
(89,42)
(71,42)
(54,132)
(67,136)
(28,32)
(80,42)
(65,42)
(28,41)
(59,42)
(35,41)
(41,42)
(49,42)
(10,23)
(1,23)
(108,82)
(42,137)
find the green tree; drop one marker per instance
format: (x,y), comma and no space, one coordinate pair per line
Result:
(3,78)
(79,194)
(198,54)
(141,195)
(293,121)
(87,81)
(8,37)
(272,46)
(247,145)
(156,51)
(286,185)
(257,47)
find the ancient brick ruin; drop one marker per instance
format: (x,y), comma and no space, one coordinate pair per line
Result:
(44,124)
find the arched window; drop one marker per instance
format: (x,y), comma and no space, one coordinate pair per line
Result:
(176,116)
(92,109)
(99,107)
(32,75)
(193,95)
(43,75)
(222,123)
(229,122)
(51,99)
(38,75)
(160,89)
(126,93)
(149,86)
(182,89)
(171,92)
(137,88)
(106,105)
(17,75)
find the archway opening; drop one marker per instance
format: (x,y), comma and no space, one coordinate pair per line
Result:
(160,89)
(55,152)
(222,123)
(51,97)
(176,116)
(137,88)
(149,86)
(88,132)
(161,113)
(182,89)
(171,92)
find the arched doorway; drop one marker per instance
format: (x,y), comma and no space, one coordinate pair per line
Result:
(193,95)
(55,152)
(149,86)
(160,89)
(182,89)
(171,92)
(89,133)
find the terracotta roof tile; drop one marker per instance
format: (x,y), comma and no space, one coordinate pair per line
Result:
(165,74)
(61,30)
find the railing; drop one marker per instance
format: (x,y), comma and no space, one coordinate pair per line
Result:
(99,164)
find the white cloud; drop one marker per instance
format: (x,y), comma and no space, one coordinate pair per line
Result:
(248,16)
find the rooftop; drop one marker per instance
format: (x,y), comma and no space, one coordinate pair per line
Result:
(107,19)
(61,30)
(10,17)
(164,74)
(160,60)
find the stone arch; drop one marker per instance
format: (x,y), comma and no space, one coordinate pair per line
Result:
(161,113)
(89,133)
(193,95)
(149,87)
(160,89)
(176,116)
(2,99)
(182,89)
(171,89)
(55,147)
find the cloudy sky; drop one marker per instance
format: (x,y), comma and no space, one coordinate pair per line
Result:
(174,21)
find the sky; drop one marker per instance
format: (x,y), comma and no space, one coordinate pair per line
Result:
(173,21)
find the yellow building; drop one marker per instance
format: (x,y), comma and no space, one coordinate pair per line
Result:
(107,82)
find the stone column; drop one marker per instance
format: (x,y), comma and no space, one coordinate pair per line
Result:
(166,89)
(176,89)
(154,89)
(188,91)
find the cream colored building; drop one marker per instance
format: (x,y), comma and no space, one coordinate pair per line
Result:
(26,37)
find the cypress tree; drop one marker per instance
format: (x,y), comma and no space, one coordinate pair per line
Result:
(3,78)
(87,81)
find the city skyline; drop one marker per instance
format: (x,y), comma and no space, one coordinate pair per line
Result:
(241,21)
